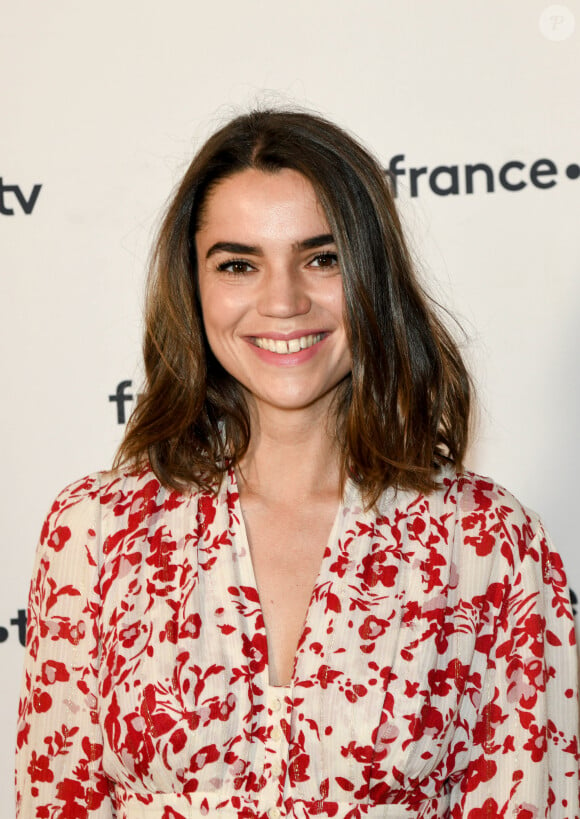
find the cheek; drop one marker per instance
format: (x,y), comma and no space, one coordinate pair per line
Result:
(211,314)
(334,303)
(221,312)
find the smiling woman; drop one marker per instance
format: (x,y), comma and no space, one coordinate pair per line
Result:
(405,406)
(273,308)
(289,598)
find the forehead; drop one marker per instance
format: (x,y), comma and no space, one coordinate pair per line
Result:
(271,203)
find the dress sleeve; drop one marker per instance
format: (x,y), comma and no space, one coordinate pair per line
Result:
(523,754)
(59,742)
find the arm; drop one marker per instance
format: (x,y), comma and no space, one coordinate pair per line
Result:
(59,744)
(524,747)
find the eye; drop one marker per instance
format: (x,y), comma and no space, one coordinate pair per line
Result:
(236,267)
(325,260)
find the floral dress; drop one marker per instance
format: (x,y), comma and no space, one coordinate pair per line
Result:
(435,675)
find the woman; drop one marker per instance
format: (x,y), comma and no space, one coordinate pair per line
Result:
(288,599)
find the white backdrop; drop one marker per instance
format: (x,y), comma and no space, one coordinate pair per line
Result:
(102,106)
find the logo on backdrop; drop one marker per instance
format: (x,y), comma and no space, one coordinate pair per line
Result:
(557,23)
(13,199)
(18,629)
(479,177)
(123,395)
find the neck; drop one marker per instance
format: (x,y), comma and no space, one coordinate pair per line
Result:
(291,456)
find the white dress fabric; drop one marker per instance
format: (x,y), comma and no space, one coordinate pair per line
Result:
(435,676)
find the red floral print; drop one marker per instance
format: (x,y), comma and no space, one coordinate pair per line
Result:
(435,677)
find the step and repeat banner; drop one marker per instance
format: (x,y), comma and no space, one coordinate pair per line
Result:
(472,107)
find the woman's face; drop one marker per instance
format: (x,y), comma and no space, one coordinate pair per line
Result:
(271,289)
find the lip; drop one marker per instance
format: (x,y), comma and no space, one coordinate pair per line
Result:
(288,336)
(287,359)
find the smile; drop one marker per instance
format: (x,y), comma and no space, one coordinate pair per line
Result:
(293,345)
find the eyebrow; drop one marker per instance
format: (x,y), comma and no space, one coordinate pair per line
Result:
(253,250)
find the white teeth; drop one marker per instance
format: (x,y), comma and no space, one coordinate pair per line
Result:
(294,345)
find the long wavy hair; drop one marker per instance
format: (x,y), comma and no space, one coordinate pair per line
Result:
(404,409)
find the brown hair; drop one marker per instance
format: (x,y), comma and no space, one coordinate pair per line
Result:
(404,409)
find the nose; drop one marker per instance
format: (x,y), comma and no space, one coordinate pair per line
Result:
(283,294)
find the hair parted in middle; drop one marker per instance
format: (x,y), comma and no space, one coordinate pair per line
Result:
(402,412)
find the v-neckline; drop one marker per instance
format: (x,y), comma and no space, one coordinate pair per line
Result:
(247,569)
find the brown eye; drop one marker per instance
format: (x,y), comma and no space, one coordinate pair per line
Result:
(235,266)
(325,260)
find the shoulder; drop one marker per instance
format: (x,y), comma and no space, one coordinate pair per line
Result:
(107,507)
(464,499)
(79,509)
(474,518)
(477,495)
(496,545)
(114,492)
(75,506)
(482,502)
(490,524)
